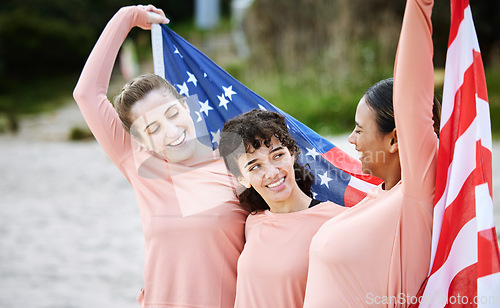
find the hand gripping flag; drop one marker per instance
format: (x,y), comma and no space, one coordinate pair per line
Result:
(338,176)
(465,264)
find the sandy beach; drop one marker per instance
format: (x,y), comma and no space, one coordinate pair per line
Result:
(70,233)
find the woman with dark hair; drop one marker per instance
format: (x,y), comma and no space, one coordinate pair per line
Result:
(272,269)
(377,253)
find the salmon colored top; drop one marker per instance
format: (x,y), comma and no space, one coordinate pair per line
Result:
(192,222)
(272,269)
(377,253)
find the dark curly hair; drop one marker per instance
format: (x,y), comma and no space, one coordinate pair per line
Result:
(252,130)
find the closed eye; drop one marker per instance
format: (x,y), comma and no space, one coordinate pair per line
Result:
(153,129)
(172,113)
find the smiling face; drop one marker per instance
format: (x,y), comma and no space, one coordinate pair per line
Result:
(376,148)
(270,171)
(163,124)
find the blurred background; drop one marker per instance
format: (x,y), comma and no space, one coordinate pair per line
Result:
(70,234)
(321,53)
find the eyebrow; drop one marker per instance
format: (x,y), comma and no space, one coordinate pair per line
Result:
(250,162)
(152,123)
(272,151)
(357,124)
(276,149)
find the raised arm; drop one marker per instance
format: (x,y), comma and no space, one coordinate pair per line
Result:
(413,100)
(91,90)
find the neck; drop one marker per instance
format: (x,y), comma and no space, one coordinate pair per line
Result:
(390,183)
(202,155)
(297,201)
(392,175)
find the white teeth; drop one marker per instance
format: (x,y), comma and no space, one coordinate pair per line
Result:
(179,140)
(276,183)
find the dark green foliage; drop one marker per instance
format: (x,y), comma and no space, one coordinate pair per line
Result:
(38,47)
(44,40)
(313,59)
(79,134)
(493,83)
(348,45)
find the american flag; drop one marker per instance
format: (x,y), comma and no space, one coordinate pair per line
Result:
(465,264)
(220,97)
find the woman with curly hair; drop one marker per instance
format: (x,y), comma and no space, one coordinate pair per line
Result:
(259,152)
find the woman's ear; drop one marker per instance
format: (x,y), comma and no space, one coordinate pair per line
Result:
(244,181)
(137,138)
(143,146)
(393,146)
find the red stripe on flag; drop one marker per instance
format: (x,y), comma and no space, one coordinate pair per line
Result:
(484,166)
(463,98)
(457,15)
(482,92)
(487,253)
(456,215)
(463,288)
(352,196)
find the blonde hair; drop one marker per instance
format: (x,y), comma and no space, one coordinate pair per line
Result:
(136,90)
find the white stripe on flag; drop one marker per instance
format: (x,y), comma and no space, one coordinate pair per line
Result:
(461,256)
(484,123)
(157,47)
(484,208)
(487,291)
(361,185)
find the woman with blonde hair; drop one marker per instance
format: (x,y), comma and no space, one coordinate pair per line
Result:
(192,222)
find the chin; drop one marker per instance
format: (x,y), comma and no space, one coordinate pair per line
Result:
(178,155)
(282,195)
(178,158)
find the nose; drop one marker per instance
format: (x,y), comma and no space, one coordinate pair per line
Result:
(352,138)
(270,171)
(171,130)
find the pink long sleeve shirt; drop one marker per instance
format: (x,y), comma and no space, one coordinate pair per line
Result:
(272,269)
(377,253)
(192,222)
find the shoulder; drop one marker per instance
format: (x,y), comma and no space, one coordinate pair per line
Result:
(256,216)
(331,206)
(255,220)
(324,210)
